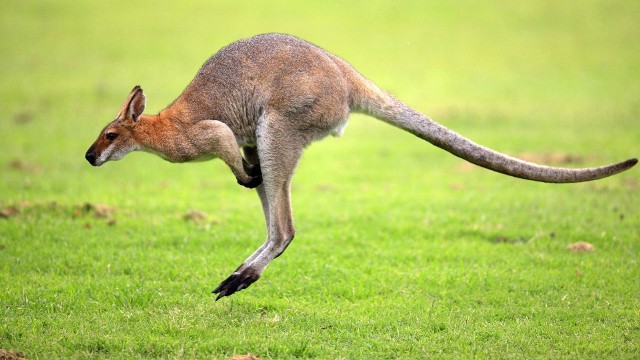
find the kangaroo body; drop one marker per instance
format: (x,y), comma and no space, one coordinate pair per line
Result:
(257,103)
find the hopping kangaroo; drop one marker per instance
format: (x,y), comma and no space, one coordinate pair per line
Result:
(258,102)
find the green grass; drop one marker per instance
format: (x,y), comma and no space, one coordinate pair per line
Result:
(401,251)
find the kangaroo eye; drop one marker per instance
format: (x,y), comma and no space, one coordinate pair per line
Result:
(111,136)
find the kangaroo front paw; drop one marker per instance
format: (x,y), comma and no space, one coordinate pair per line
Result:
(251,169)
(253,182)
(236,282)
(254,175)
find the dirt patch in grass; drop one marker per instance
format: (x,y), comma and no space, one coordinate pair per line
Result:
(9,212)
(23,166)
(195,216)
(23,117)
(581,246)
(11,355)
(97,211)
(244,357)
(14,210)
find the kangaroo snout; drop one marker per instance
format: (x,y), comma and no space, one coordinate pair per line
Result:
(91,157)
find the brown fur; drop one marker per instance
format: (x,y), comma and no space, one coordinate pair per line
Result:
(272,95)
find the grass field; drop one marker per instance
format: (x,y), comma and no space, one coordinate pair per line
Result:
(402,250)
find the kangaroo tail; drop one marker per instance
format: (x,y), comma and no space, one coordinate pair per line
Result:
(374,101)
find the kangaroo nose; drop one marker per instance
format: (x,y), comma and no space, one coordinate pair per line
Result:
(91,157)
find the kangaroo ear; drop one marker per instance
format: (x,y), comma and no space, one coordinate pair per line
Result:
(134,105)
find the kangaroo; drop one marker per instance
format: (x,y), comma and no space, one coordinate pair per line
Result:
(258,102)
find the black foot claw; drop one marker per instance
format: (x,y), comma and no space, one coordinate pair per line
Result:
(236,282)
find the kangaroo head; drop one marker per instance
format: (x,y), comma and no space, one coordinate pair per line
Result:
(117,139)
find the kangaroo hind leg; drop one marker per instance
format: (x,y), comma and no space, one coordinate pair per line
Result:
(278,159)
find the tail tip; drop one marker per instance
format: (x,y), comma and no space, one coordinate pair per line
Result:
(630,163)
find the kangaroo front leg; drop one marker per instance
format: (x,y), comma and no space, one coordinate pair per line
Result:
(225,147)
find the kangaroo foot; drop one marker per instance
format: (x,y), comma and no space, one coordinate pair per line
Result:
(236,282)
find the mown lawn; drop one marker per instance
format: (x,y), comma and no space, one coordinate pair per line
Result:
(401,251)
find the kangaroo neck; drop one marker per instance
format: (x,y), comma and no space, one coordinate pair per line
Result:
(156,134)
